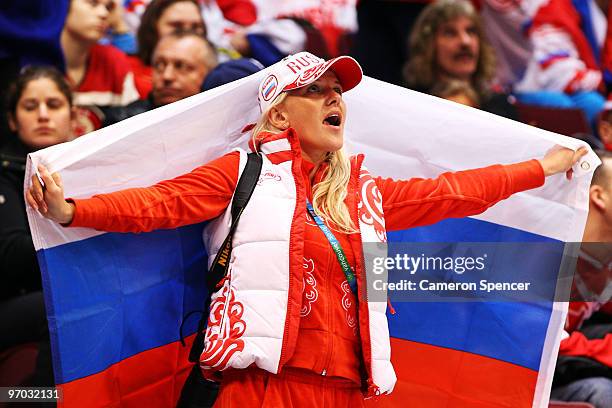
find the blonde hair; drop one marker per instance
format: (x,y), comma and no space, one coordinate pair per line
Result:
(328,195)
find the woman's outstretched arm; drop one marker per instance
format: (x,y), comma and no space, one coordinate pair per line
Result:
(417,202)
(200,195)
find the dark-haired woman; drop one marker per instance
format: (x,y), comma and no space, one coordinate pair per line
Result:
(162,17)
(40,113)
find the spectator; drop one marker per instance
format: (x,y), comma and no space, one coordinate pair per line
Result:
(181,62)
(29,34)
(270,41)
(448,43)
(231,71)
(605,128)
(504,24)
(456,91)
(162,17)
(100,74)
(119,33)
(40,114)
(335,20)
(584,367)
(241,12)
(570,55)
(267,41)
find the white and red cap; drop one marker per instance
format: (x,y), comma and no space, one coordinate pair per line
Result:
(303,68)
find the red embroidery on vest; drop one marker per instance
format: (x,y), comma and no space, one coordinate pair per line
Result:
(347,302)
(225,327)
(370,207)
(310,292)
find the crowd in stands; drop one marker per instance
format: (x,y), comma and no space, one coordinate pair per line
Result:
(70,67)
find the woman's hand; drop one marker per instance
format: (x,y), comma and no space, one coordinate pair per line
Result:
(49,200)
(240,43)
(116,20)
(560,160)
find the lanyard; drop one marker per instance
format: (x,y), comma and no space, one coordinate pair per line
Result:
(350,276)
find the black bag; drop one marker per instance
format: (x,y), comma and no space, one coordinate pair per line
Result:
(197,391)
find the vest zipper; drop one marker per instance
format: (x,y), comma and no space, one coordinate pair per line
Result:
(299,198)
(359,267)
(330,317)
(330,353)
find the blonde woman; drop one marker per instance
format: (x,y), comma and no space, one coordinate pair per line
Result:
(290,324)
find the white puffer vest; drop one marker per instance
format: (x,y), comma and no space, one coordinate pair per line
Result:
(255,314)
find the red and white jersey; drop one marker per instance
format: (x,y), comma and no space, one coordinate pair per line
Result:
(503,23)
(340,14)
(577,344)
(330,17)
(286,35)
(108,80)
(564,58)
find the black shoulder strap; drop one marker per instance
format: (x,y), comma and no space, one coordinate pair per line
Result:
(244,190)
(246,185)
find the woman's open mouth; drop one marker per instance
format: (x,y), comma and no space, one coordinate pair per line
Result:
(333,119)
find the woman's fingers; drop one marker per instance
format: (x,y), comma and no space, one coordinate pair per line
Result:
(30,200)
(57,179)
(46,178)
(36,193)
(37,189)
(580,153)
(40,196)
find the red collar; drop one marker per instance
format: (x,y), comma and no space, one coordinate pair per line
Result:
(307,168)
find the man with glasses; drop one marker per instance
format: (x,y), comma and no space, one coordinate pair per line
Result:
(181,61)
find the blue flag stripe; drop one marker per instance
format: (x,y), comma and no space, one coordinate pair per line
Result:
(119,295)
(513,332)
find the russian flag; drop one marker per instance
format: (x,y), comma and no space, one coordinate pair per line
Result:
(115,302)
